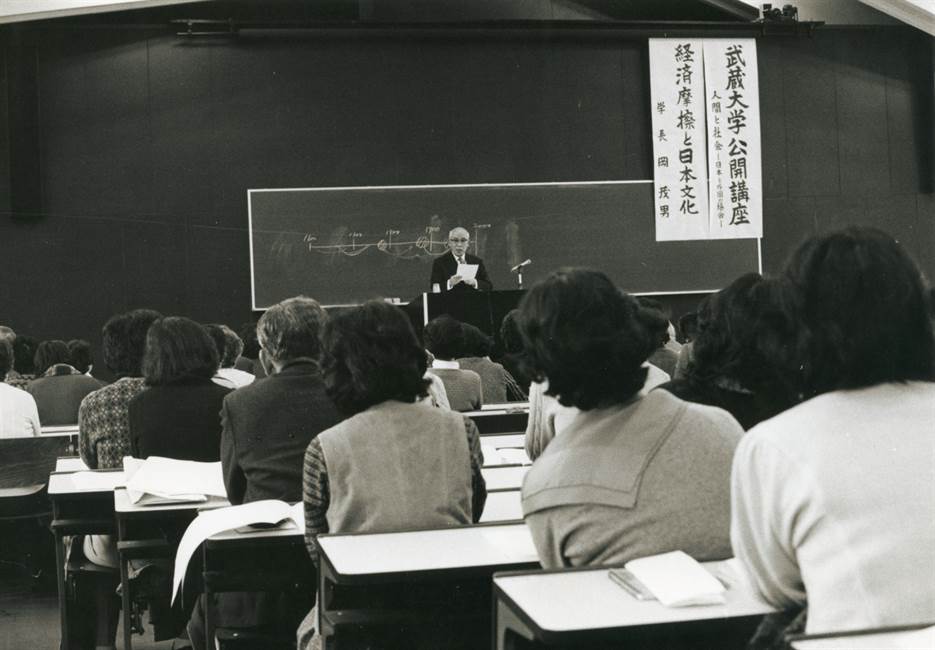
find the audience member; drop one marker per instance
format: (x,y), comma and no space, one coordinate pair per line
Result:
(58,388)
(177,415)
(19,417)
(229,347)
(104,439)
(266,428)
(744,357)
(547,417)
(497,385)
(630,475)
(249,359)
(7,332)
(103,419)
(444,338)
(511,342)
(24,369)
(833,498)
(79,355)
(688,326)
(394,463)
(663,355)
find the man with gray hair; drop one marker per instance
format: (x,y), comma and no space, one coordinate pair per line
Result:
(445,268)
(266,428)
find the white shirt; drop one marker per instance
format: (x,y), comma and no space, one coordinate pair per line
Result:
(19,417)
(833,502)
(450,365)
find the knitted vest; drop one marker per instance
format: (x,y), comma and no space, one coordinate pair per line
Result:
(398,466)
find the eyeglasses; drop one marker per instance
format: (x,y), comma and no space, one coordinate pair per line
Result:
(458,240)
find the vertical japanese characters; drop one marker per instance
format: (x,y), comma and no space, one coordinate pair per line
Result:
(706,138)
(734,167)
(677,89)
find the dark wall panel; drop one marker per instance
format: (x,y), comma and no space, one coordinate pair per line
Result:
(811,117)
(154,142)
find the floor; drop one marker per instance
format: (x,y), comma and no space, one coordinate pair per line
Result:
(29,617)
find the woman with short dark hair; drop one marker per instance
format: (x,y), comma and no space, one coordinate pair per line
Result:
(396,462)
(178,414)
(744,356)
(630,475)
(833,499)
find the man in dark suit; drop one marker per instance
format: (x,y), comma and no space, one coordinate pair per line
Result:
(268,424)
(445,268)
(266,429)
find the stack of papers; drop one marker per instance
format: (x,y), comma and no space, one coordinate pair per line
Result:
(677,580)
(167,480)
(505,455)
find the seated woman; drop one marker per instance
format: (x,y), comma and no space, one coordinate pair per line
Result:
(833,499)
(178,415)
(497,384)
(444,338)
(743,356)
(394,463)
(630,475)
(58,388)
(19,417)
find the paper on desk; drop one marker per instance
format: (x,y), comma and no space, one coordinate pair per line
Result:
(514,456)
(467,271)
(677,580)
(174,480)
(212,522)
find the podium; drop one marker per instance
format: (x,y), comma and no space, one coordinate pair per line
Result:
(483,309)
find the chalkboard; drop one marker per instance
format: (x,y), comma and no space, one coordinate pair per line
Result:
(346,245)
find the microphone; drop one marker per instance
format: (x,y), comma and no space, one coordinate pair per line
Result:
(520,265)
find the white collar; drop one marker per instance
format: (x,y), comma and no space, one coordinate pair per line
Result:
(441,363)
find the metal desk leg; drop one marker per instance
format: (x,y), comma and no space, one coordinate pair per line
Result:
(62,588)
(125,592)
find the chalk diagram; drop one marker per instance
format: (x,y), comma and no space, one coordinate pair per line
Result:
(351,243)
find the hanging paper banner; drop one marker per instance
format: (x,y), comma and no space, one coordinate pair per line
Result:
(679,161)
(733,102)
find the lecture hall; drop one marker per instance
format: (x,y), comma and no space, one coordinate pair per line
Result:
(467,324)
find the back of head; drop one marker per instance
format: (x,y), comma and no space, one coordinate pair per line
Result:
(251,345)
(291,330)
(7,333)
(228,344)
(124,341)
(476,343)
(748,335)
(656,320)
(24,353)
(444,337)
(586,337)
(510,336)
(688,326)
(177,350)
(79,354)
(50,353)
(371,354)
(864,308)
(6,357)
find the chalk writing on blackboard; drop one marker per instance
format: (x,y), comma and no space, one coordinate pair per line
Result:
(351,243)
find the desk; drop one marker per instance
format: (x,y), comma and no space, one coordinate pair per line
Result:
(505,421)
(584,608)
(69,431)
(81,505)
(503,440)
(505,505)
(260,560)
(70,464)
(433,583)
(141,535)
(504,477)
(907,637)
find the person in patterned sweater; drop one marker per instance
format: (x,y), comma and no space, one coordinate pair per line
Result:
(103,425)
